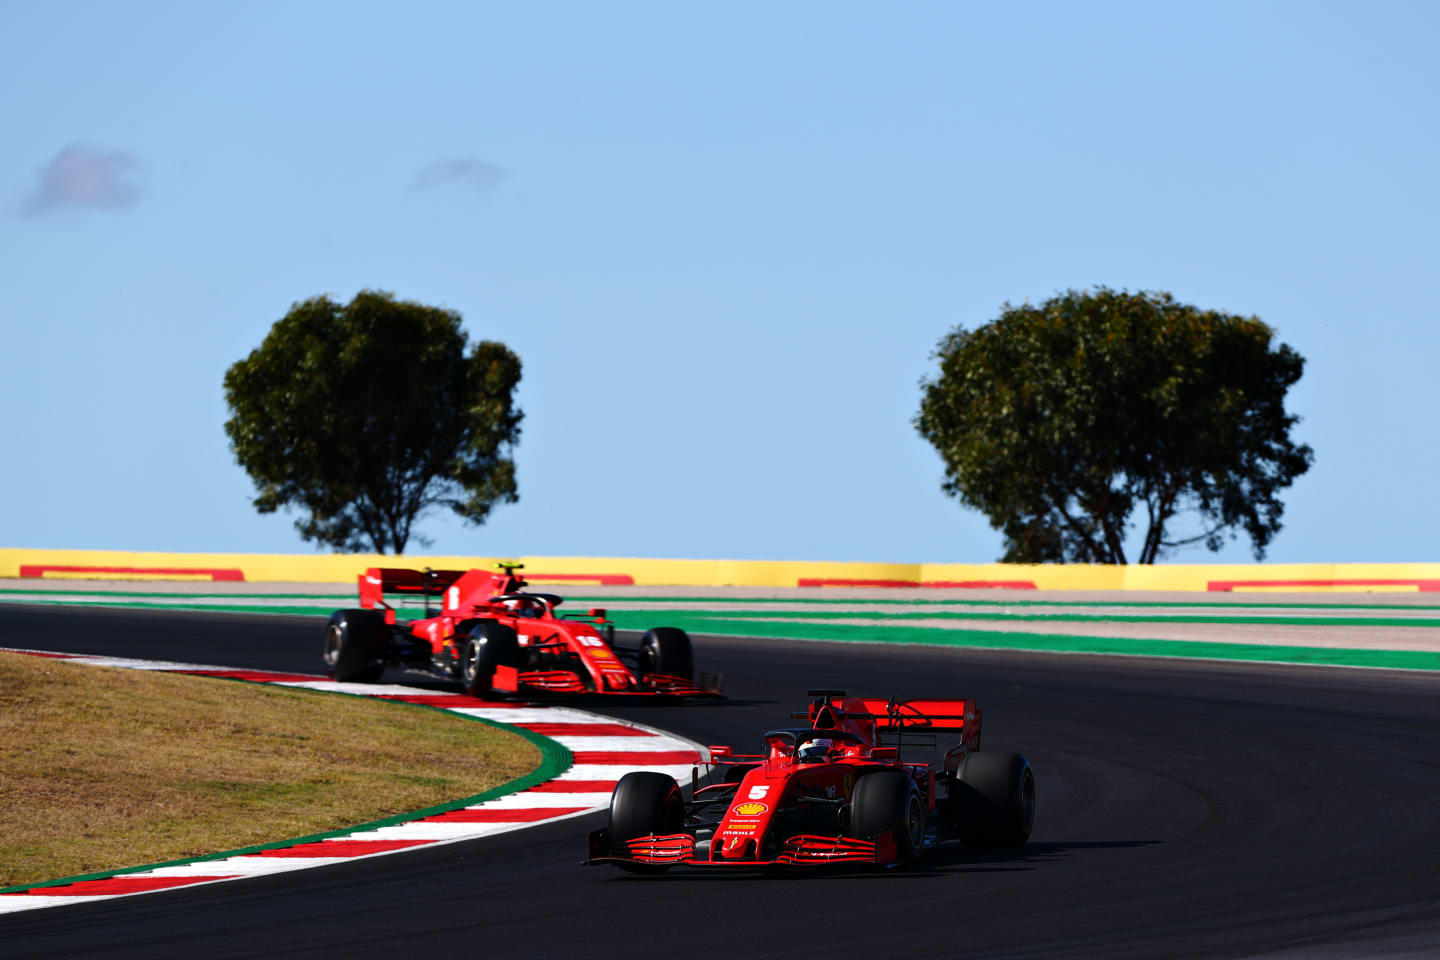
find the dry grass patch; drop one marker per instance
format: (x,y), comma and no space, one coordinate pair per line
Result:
(103,768)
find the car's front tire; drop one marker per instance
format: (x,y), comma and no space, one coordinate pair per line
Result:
(355,646)
(887,800)
(644,804)
(487,645)
(666,651)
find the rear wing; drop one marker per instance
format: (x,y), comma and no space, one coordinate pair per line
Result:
(917,715)
(376,582)
(831,707)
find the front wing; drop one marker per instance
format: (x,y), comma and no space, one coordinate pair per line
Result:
(655,687)
(798,850)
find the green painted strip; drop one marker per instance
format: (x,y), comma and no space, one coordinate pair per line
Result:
(1101,618)
(626,618)
(931,601)
(555,758)
(1058,643)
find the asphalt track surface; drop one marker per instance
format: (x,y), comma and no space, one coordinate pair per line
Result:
(1186,809)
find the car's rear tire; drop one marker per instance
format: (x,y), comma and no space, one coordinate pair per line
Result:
(355,645)
(887,800)
(993,802)
(487,645)
(644,804)
(666,651)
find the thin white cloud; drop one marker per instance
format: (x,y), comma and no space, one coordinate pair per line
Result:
(85,177)
(465,172)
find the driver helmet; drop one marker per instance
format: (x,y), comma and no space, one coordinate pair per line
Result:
(815,751)
(529,608)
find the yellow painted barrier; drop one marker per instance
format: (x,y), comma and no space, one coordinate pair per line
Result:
(640,571)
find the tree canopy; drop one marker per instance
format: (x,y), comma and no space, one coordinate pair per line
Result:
(1060,421)
(367,414)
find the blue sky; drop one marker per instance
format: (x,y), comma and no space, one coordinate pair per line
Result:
(723,240)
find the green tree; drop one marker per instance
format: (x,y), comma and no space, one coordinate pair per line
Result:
(1059,421)
(367,414)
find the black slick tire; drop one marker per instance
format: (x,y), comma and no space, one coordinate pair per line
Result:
(355,645)
(887,800)
(993,802)
(666,651)
(644,804)
(487,645)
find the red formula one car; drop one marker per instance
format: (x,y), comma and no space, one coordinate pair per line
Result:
(829,793)
(496,638)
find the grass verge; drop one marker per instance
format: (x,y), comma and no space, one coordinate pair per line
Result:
(101,769)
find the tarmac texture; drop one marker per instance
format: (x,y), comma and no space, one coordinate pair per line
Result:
(1187,808)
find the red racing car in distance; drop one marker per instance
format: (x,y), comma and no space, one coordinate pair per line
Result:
(829,793)
(497,638)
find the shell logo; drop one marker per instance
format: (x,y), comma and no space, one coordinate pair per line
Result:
(750,809)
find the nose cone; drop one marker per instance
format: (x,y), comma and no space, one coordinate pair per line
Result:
(734,848)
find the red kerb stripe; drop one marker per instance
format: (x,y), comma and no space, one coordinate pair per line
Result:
(449,700)
(342,848)
(916,584)
(574,786)
(1226,586)
(636,758)
(115,885)
(528,815)
(979,585)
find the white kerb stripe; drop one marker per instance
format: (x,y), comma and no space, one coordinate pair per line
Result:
(360,689)
(422,830)
(529,715)
(531,801)
(244,866)
(577,744)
